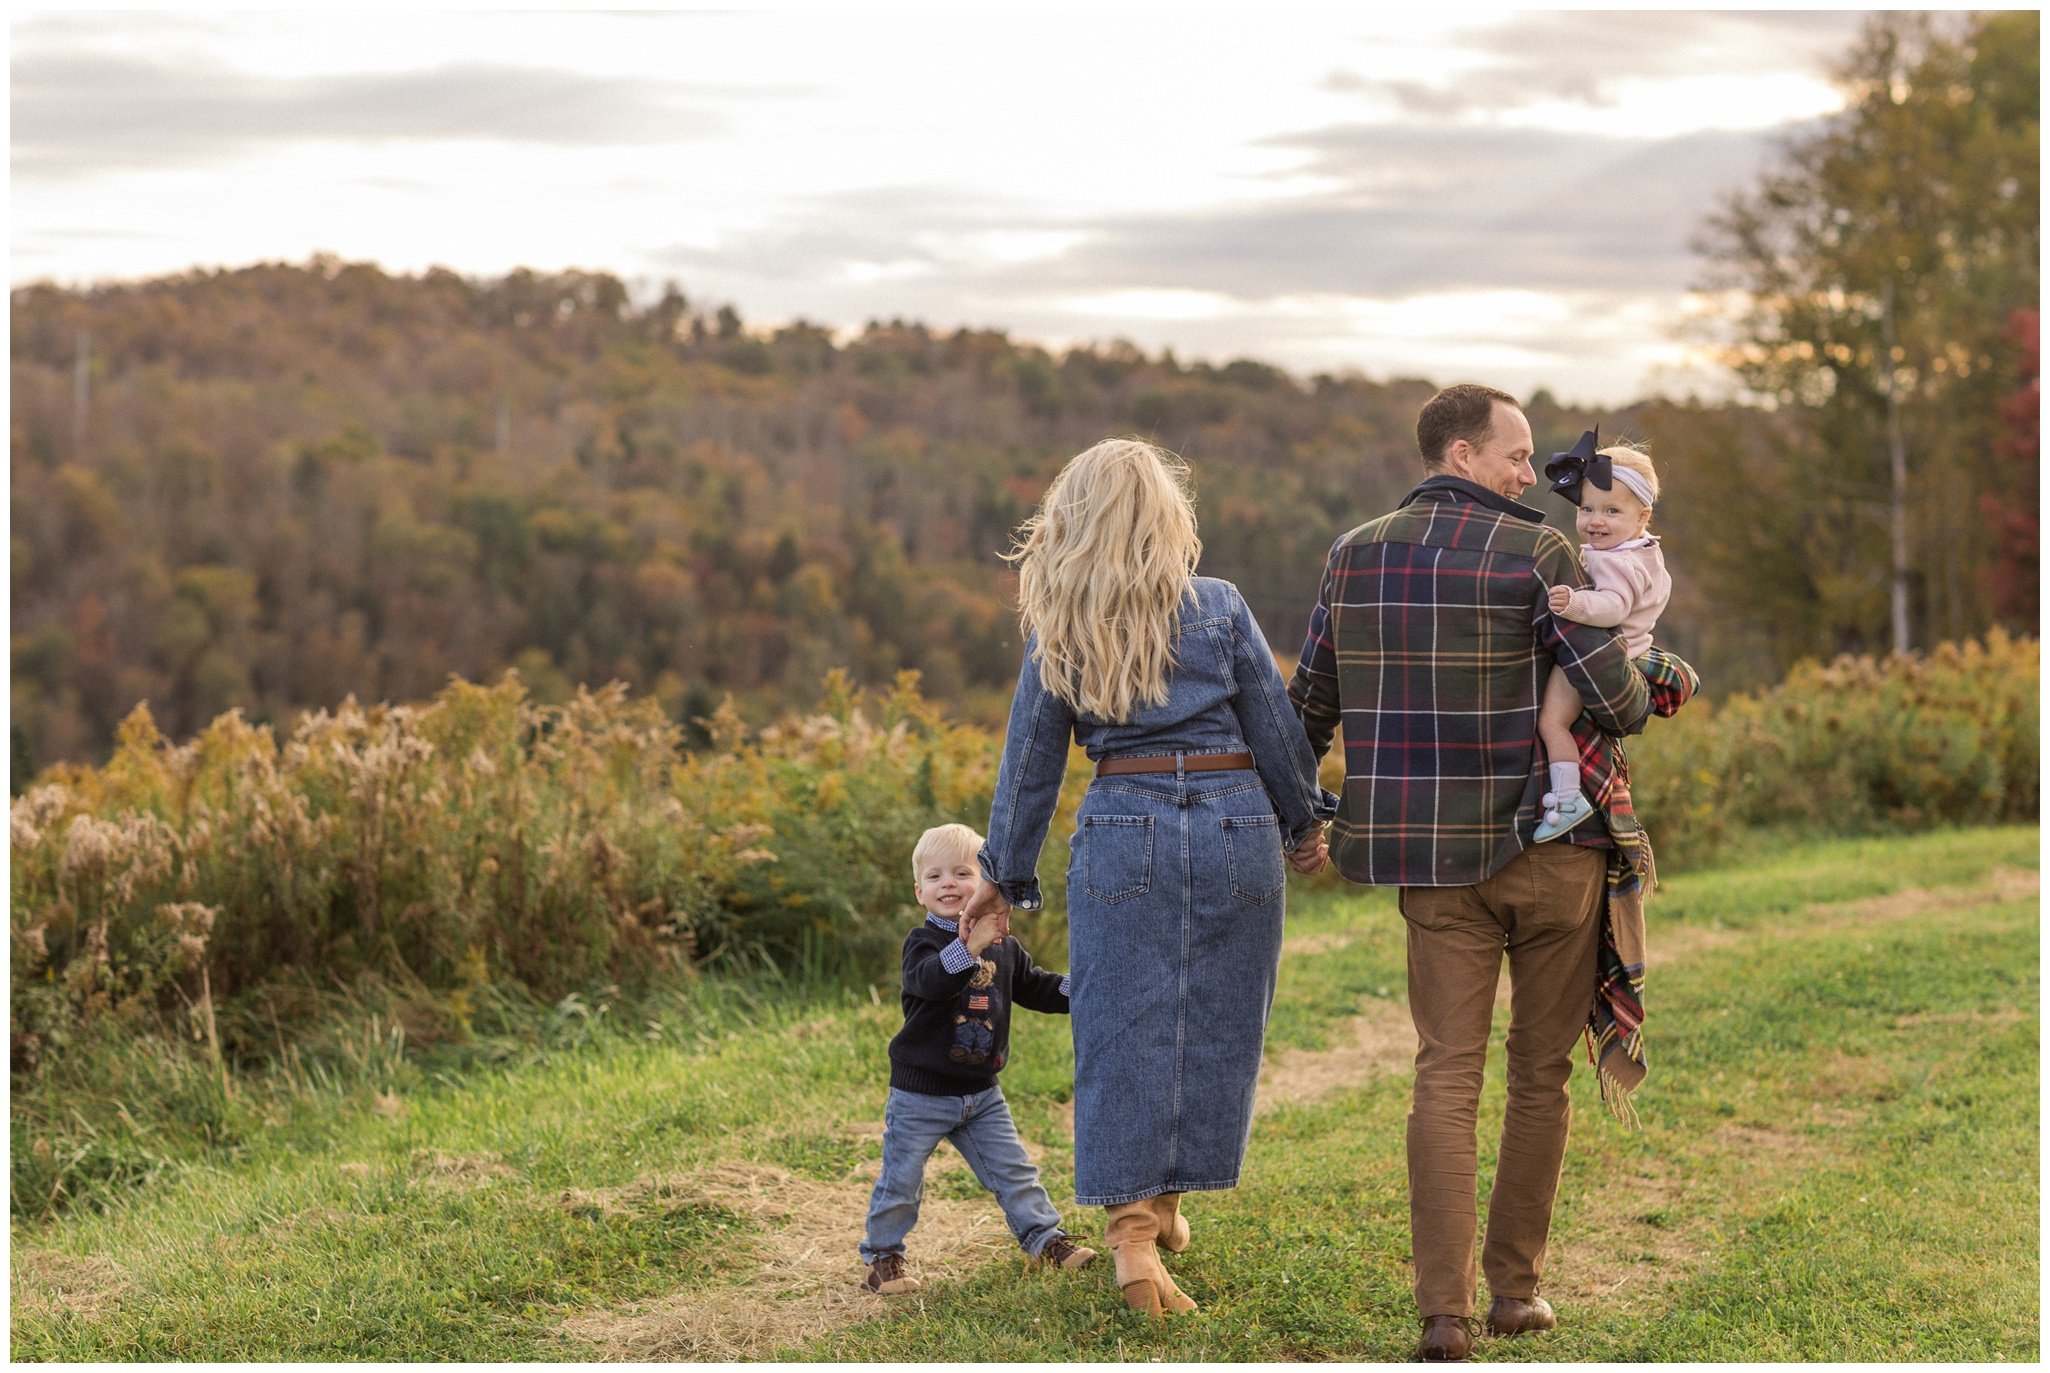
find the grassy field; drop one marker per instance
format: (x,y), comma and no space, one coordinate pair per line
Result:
(1838,1162)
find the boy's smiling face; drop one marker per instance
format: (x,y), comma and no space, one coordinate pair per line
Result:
(945,884)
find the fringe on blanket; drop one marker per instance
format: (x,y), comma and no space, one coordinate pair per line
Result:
(1615,1025)
(1616,1097)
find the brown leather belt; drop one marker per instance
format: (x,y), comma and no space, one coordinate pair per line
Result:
(1165,762)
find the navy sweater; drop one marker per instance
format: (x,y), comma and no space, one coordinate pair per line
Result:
(957,1024)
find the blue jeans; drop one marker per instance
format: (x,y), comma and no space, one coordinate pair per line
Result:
(980,1128)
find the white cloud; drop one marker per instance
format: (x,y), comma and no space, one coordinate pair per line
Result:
(1674,106)
(1149,305)
(1313,189)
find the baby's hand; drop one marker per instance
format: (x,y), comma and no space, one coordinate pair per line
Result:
(1559,597)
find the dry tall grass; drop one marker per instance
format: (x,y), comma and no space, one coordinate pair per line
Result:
(477,838)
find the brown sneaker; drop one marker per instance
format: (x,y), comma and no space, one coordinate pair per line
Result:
(1062,1252)
(887,1276)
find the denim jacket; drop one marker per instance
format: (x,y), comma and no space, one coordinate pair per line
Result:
(1224,695)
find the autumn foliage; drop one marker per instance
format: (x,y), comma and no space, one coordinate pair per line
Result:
(276,487)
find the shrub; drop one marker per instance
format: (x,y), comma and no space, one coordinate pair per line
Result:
(1858,746)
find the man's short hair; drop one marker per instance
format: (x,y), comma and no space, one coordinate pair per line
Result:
(1465,411)
(947,843)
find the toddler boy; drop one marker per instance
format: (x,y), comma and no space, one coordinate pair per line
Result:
(959,986)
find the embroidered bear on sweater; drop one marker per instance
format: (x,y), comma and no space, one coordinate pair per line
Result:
(973,1040)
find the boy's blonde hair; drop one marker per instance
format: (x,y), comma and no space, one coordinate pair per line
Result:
(1638,461)
(1103,566)
(945,841)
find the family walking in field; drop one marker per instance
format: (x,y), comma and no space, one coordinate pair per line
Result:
(1481,674)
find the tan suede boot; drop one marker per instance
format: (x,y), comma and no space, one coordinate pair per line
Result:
(1173,1237)
(1130,1230)
(1174,1226)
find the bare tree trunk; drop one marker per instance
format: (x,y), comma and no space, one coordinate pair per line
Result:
(1897,449)
(81,392)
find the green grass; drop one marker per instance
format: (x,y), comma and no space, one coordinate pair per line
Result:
(1838,1161)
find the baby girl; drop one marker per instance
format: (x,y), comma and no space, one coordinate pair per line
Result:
(1615,490)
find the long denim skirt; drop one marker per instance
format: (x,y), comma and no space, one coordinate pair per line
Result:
(1175,893)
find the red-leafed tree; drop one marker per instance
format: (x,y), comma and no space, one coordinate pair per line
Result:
(2013,579)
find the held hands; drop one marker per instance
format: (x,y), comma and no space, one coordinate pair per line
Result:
(1559,596)
(978,932)
(1311,855)
(985,919)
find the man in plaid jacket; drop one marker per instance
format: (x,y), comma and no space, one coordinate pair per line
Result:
(1430,644)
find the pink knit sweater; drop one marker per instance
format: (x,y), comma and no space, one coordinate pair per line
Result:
(1630,590)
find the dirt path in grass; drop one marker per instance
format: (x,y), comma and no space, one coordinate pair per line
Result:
(1626,1254)
(802,1278)
(1671,943)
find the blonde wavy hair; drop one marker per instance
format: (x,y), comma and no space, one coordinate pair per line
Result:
(1103,566)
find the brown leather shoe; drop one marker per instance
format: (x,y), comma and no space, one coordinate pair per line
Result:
(1062,1252)
(886,1276)
(1446,1339)
(1520,1316)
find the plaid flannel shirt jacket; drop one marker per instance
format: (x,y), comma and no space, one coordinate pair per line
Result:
(1430,644)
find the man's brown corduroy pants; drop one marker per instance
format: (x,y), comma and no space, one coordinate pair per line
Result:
(1544,908)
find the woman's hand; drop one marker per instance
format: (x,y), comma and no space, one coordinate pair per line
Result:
(987,904)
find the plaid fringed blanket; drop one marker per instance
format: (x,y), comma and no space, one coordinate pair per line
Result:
(1615,1038)
(1615,1027)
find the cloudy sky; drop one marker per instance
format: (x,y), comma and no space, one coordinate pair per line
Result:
(1504,196)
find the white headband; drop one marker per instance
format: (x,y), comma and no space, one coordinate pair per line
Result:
(1639,487)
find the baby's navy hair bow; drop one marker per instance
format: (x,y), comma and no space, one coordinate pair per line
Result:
(1566,471)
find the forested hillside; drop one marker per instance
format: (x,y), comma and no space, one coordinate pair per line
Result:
(275,487)
(278,486)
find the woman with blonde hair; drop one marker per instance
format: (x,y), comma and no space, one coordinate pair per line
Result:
(1204,778)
